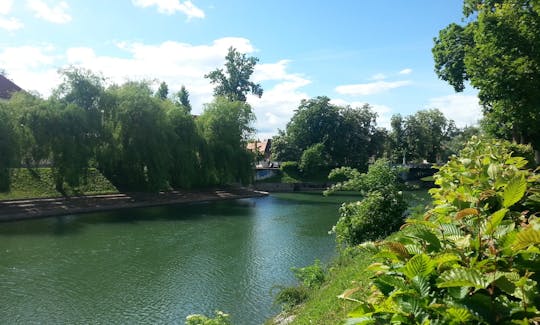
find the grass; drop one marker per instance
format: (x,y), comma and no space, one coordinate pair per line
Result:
(39,183)
(323,306)
(346,272)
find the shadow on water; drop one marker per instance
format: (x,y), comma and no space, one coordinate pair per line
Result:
(73,224)
(58,226)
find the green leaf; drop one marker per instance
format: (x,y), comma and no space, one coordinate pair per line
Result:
(493,171)
(494,220)
(459,315)
(526,238)
(514,191)
(429,237)
(419,265)
(462,277)
(392,280)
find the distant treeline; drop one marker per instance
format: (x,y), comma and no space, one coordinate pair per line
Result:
(140,140)
(322,135)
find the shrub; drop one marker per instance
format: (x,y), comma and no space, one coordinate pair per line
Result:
(220,319)
(314,159)
(290,297)
(379,214)
(290,167)
(380,176)
(471,259)
(311,276)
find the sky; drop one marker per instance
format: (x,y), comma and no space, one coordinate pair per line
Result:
(353,51)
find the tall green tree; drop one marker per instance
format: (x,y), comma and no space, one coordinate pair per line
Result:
(497,52)
(9,145)
(234,82)
(163,91)
(226,127)
(349,135)
(182,98)
(421,136)
(142,156)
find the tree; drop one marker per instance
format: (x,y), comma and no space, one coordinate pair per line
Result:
(349,135)
(421,136)
(497,52)
(314,159)
(234,83)
(182,98)
(141,135)
(8,147)
(163,91)
(226,127)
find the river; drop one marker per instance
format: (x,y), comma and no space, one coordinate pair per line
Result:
(158,265)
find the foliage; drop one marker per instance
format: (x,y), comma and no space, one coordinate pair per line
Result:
(380,176)
(379,214)
(33,182)
(381,210)
(290,167)
(163,91)
(290,297)
(496,52)
(234,83)
(226,127)
(220,319)
(313,159)
(310,276)
(9,145)
(182,99)
(421,136)
(470,259)
(348,134)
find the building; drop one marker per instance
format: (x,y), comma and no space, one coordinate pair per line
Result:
(7,88)
(261,147)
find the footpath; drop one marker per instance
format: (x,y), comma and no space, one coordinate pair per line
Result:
(11,210)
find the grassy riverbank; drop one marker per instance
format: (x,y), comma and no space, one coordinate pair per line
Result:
(322,305)
(39,183)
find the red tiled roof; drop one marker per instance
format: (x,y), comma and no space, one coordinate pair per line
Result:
(7,87)
(262,146)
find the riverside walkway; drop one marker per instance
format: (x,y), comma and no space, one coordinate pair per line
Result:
(11,210)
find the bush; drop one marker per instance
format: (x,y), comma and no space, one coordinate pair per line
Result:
(376,216)
(470,260)
(314,160)
(380,176)
(220,319)
(311,276)
(290,297)
(290,167)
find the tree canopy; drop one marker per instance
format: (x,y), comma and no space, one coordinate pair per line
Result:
(497,52)
(346,136)
(234,83)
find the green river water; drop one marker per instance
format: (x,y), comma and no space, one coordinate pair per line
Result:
(158,265)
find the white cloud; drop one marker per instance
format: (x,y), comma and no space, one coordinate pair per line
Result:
(384,113)
(170,7)
(52,13)
(406,71)
(371,88)
(31,67)
(378,76)
(10,24)
(463,109)
(5,6)
(276,107)
(34,68)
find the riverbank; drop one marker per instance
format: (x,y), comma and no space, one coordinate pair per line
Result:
(11,210)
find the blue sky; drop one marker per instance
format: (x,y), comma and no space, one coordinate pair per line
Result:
(355,52)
